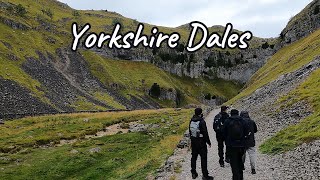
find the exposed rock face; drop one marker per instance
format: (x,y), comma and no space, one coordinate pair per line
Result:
(13,24)
(67,78)
(302,24)
(12,103)
(244,63)
(169,94)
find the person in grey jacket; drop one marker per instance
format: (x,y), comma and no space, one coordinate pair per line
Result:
(250,140)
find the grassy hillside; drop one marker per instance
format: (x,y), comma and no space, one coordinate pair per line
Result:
(289,59)
(121,156)
(47,27)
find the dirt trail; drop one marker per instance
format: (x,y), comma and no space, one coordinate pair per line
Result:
(219,173)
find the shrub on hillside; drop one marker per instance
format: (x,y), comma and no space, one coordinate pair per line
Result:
(17,9)
(155,90)
(180,48)
(20,10)
(173,57)
(229,64)
(179,98)
(210,62)
(75,13)
(208,96)
(48,12)
(265,45)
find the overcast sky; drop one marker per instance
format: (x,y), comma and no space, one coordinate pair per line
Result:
(265,18)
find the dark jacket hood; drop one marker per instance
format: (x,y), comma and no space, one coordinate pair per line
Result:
(196,118)
(235,117)
(245,114)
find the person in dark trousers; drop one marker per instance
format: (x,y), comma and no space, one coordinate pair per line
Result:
(218,124)
(199,139)
(250,140)
(235,131)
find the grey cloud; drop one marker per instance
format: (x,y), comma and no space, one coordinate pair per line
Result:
(265,18)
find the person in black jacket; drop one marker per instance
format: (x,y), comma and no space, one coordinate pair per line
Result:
(235,131)
(199,139)
(250,140)
(218,124)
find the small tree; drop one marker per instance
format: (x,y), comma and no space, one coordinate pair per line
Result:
(20,10)
(210,62)
(117,21)
(179,98)
(208,96)
(265,45)
(155,90)
(229,65)
(75,13)
(316,10)
(180,48)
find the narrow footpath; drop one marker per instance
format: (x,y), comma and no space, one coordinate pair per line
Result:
(264,171)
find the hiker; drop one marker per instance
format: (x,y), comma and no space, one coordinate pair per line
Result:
(199,139)
(218,123)
(234,131)
(250,141)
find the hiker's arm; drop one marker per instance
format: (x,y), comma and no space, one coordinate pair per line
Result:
(225,128)
(205,133)
(255,127)
(246,129)
(189,130)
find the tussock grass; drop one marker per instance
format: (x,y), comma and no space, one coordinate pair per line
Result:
(122,156)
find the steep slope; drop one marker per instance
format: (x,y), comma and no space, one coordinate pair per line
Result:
(40,74)
(283,98)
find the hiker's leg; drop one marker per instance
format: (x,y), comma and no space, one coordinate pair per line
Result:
(252,156)
(204,161)
(233,154)
(194,156)
(244,157)
(220,149)
(241,152)
(227,154)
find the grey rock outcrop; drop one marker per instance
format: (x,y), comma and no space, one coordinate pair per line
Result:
(13,104)
(303,24)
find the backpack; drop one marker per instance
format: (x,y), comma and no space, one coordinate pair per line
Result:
(195,129)
(217,123)
(235,130)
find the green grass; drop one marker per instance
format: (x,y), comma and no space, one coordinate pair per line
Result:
(122,156)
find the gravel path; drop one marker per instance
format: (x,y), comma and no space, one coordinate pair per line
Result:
(219,173)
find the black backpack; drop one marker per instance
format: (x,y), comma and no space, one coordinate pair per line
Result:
(217,123)
(235,129)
